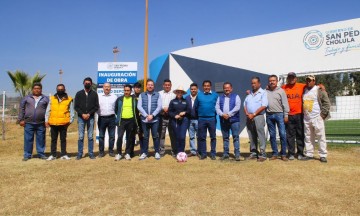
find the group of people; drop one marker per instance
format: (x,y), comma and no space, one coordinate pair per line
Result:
(297,111)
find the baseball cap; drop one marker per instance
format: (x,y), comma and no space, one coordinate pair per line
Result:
(310,76)
(292,74)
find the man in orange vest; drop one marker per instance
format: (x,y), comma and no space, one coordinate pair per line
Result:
(59,115)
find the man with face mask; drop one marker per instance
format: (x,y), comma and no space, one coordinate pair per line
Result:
(86,105)
(59,115)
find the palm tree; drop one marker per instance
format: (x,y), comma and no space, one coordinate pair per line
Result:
(23,82)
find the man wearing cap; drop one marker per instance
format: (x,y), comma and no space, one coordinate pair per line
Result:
(205,108)
(166,96)
(228,107)
(277,116)
(295,126)
(316,108)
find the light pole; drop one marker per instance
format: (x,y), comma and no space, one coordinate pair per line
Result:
(61,73)
(146,44)
(115,51)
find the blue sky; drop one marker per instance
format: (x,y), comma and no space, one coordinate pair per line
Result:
(45,35)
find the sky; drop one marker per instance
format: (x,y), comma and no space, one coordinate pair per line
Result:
(74,35)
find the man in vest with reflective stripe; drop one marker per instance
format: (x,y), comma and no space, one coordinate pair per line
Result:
(228,107)
(149,105)
(59,115)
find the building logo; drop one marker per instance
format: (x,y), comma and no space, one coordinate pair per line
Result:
(313,40)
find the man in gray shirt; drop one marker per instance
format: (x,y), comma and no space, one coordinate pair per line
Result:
(277,114)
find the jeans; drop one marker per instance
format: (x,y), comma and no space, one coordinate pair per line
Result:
(90,129)
(127,126)
(226,126)
(193,132)
(109,124)
(204,125)
(273,120)
(154,127)
(55,130)
(180,127)
(29,131)
(164,122)
(255,129)
(295,129)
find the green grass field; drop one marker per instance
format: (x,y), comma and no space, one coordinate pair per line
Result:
(346,130)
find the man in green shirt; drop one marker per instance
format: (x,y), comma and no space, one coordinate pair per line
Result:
(126,121)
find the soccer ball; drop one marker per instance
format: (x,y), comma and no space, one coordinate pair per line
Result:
(181,157)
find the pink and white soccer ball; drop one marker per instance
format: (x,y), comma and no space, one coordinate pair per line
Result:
(181,157)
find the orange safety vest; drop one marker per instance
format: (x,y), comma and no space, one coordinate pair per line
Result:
(60,111)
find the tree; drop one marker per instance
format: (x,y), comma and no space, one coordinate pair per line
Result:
(356,79)
(23,82)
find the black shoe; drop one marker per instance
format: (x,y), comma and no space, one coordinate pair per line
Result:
(237,158)
(25,159)
(111,154)
(101,154)
(213,157)
(43,157)
(224,157)
(306,158)
(202,157)
(78,157)
(92,157)
(323,160)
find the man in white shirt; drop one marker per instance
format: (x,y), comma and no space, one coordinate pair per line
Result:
(316,108)
(106,119)
(166,96)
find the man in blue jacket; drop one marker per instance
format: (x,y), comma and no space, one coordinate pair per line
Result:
(32,118)
(228,107)
(205,108)
(149,105)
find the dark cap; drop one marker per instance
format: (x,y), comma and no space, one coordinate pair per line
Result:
(292,74)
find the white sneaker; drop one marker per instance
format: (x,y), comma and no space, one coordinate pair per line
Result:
(157,156)
(118,157)
(143,156)
(127,157)
(65,157)
(51,158)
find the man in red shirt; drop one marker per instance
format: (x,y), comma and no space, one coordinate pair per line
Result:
(295,126)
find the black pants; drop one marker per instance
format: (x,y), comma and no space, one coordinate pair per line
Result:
(54,131)
(127,126)
(106,122)
(295,129)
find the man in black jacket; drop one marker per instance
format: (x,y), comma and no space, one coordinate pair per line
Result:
(86,104)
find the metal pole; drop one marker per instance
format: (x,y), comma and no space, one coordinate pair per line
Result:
(146,43)
(3,117)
